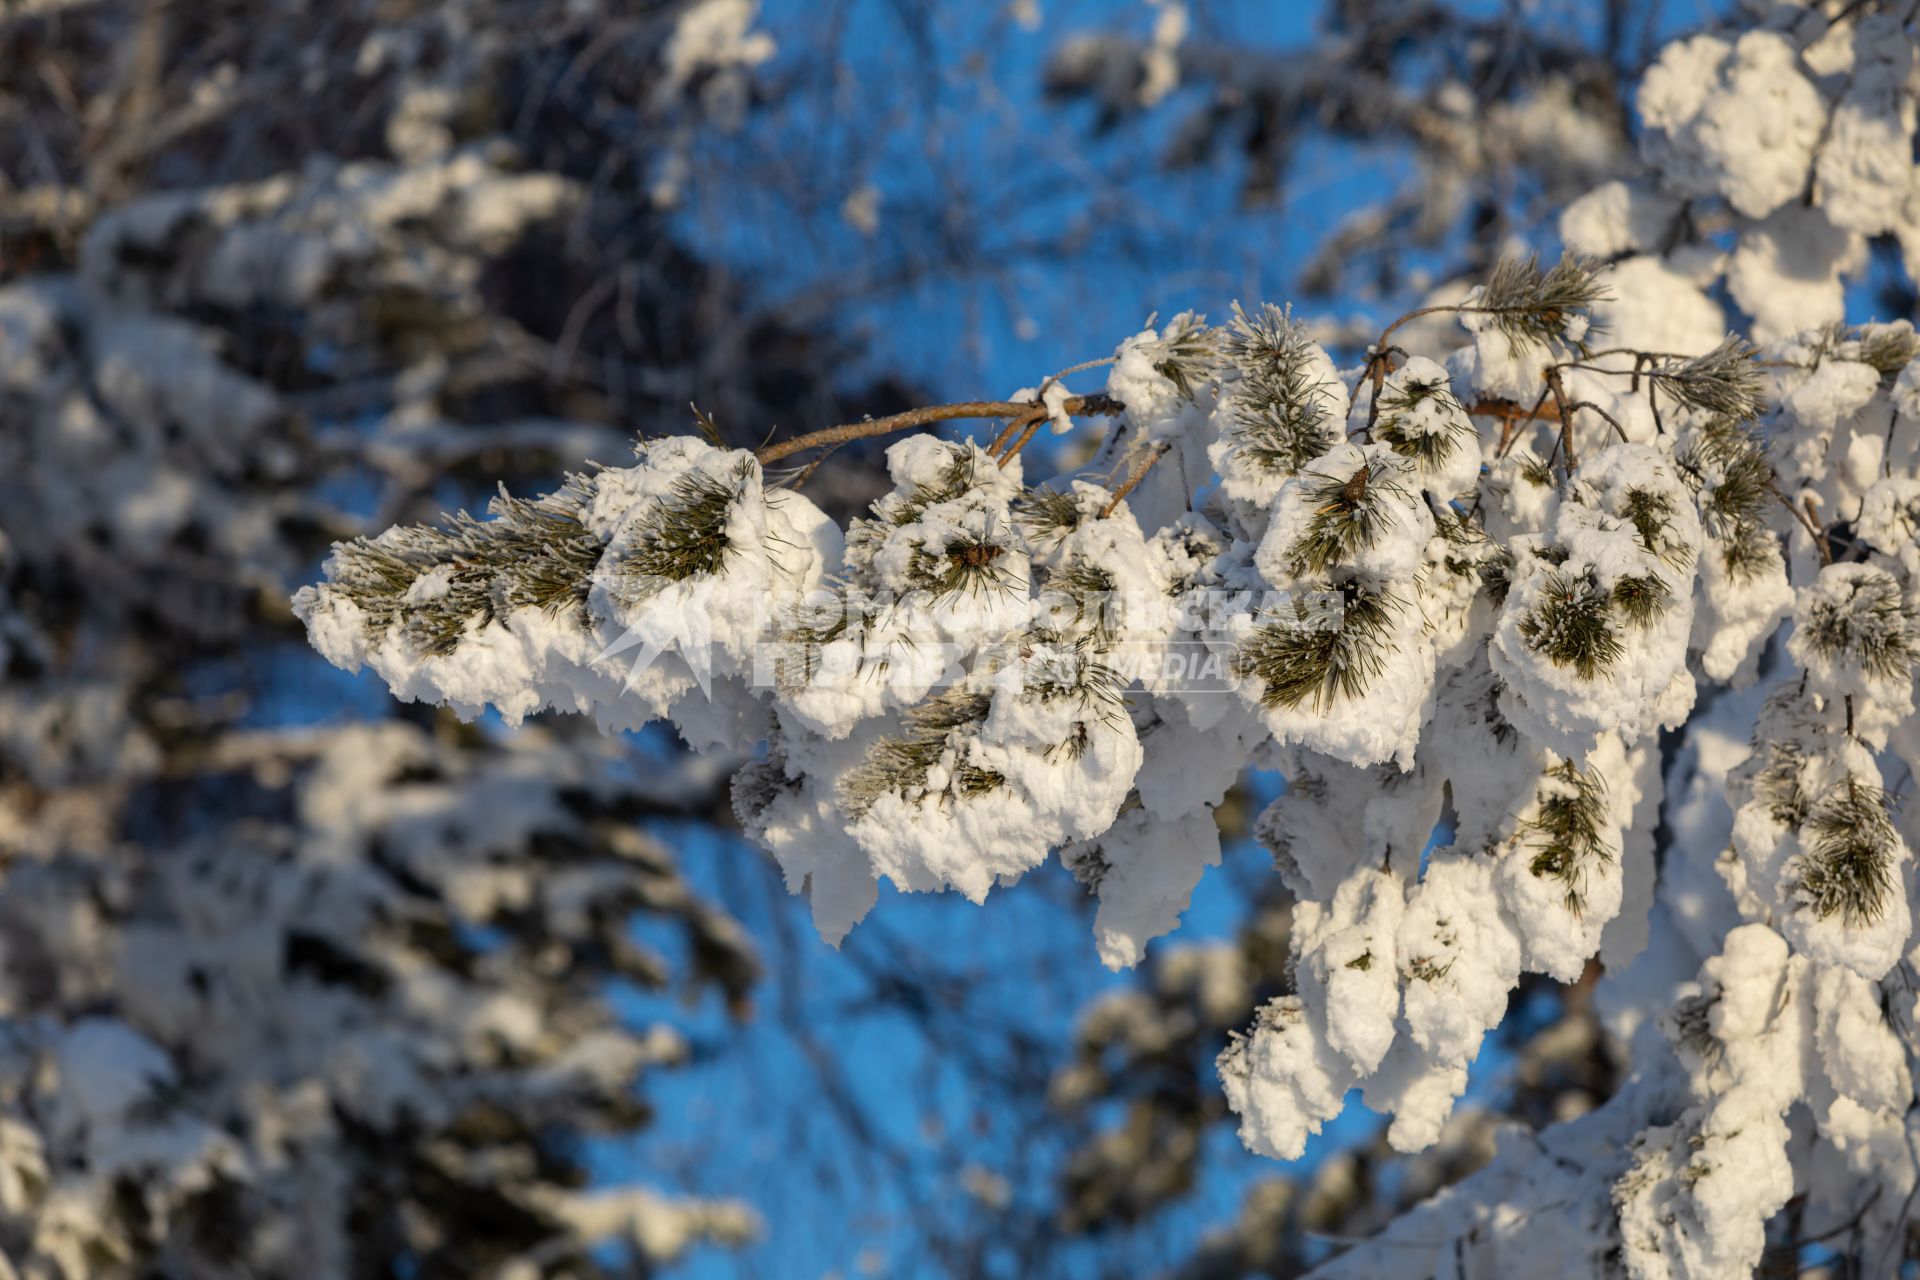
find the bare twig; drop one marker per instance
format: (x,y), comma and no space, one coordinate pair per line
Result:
(1805,517)
(1028,431)
(1612,421)
(1379,365)
(1512,410)
(1821,542)
(1102,405)
(1071,369)
(1013,429)
(1138,474)
(1557,385)
(806,473)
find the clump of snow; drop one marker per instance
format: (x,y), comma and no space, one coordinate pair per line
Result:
(1734,119)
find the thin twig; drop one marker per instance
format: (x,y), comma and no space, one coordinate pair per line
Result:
(1379,365)
(806,473)
(1434,311)
(1139,473)
(1510,410)
(1012,428)
(1805,518)
(1072,369)
(1558,386)
(1618,429)
(1031,429)
(1821,542)
(1007,434)
(1102,405)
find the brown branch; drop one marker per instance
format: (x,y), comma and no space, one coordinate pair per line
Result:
(1454,309)
(1139,473)
(1558,386)
(1027,433)
(1805,517)
(1379,365)
(1511,410)
(1013,428)
(1102,405)
(1611,420)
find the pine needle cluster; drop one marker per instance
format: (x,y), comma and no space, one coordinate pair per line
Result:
(1426,969)
(1187,354)
(1573,624)
(1874,626)
(955,480)
(1349,515)
(1074,673)
(1851,846)
(685,534)
(1724,382)
(966,564)
(1304,655)
(1651,514)
(1087,864)
(1280,399)
(1727,459)
(1692,1023)
(759,783)
(1777,782)
(1429,449)
(1047,515)
(1738,453)
(899,765)
(1642,598)
(1089,589)
(1889,350)
(1566,833)
(1535,470)
(805,631)
(1532,308)
(1496,574)
(531,553)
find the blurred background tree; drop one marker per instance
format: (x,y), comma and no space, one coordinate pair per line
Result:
(299,981)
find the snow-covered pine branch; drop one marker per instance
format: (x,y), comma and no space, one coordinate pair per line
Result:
(1455,596)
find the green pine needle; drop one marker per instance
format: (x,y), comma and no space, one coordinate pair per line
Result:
(1851,853)
(1279,399)
(1429,449)
(1572,625)
(1535,471)
(1651,514)
(954,481)
(1777,783)
(1642,598)
(1532,308)
(1889,350)
(685,533)
(965,565)
(1724,382)
(902,764)
(1304,656)
(1350,513)
(1567,831)
(1187,354)
(1047,515)
(530,554)
(1874,626)
(1089,588)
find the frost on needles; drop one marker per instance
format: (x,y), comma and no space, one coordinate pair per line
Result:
(1455,592)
